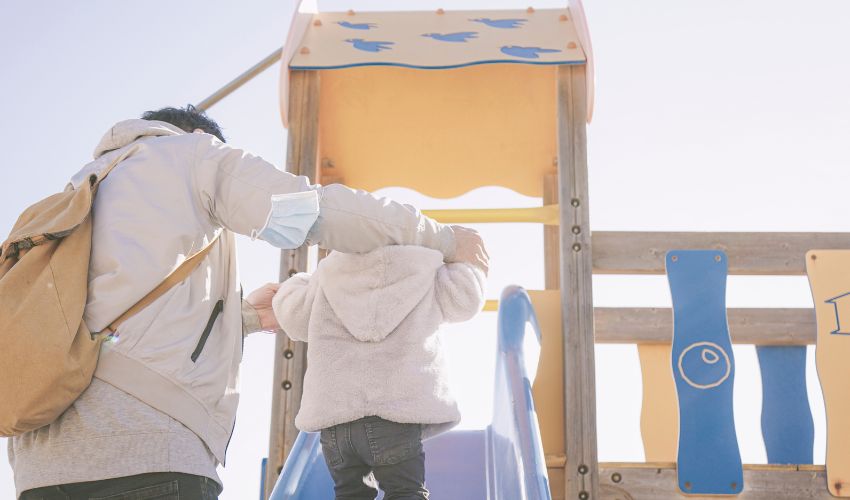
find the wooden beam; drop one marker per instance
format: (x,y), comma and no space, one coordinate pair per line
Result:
(617,252)
(657,481)
(648,325)
(581,474)
(290,359)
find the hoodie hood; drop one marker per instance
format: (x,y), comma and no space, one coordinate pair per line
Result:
(121,134)
(372,293)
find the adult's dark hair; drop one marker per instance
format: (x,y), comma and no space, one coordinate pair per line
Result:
(188,119)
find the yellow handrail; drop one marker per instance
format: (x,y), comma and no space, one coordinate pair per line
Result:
(491,305)
(547,214)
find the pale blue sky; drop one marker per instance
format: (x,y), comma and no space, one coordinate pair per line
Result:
(715,115)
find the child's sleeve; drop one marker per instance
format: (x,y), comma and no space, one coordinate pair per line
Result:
(459,291)
(292,305)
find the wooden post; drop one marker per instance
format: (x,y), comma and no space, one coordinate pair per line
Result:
(582,475)
(290,360)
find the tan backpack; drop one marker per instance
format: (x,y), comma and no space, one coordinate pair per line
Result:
(47,354)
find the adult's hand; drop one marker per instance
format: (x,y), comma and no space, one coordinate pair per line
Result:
(261,300)
(469,248)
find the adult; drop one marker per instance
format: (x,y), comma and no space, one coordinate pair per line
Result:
(159,413)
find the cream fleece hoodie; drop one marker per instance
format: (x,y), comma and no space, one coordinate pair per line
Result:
(371,321)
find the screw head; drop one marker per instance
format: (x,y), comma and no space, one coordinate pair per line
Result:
(688,485)
(305,50)
(674,258)
(582,469)
(563,17)
(583,495)
(616,477)
(286,385)
(734,485)
(718,258)
(572,45)
(288,354)
(576,229)
(575,202)
(576,247)
(317,22)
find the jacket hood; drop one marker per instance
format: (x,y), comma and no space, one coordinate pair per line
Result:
(120,135)
(127,131)
(372,293)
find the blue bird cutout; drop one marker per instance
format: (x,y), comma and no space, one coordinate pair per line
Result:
(526,52)
(501,23)
(357,26)
(361,44)
(463,36)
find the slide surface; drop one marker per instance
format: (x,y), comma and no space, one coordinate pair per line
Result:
(502,462)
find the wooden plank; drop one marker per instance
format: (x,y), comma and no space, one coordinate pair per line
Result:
(786,418)
(829,277)
(581,474)
(708,460)
(290,359)
(616,252)
(659,414)
(760,326)
(658,482)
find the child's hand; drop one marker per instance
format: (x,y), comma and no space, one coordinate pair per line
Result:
(261,300)
(469,248)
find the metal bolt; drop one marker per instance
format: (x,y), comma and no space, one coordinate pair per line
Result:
(305,50)
(576,229)
(717,258)
(583,495)
(564,17)
(288,354)
(582,469)
(317,22)
(576,247)
(286,385)
(688,485)
(734,485)
(616,477)
(674,258)
(572,45)
(814,257)
(530,10)
(574,202)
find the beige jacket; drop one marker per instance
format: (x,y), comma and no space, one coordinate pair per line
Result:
(371,321)
(181,354)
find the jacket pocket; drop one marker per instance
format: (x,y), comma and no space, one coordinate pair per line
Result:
(203,340)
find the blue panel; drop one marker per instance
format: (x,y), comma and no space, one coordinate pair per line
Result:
(263,466)
(503,462)
(709,461)
(786,419)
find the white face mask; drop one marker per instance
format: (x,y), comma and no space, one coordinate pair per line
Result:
(291,218)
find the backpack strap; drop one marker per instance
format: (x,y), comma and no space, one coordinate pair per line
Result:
(176,276)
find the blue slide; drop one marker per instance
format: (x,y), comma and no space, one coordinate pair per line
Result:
(502,462)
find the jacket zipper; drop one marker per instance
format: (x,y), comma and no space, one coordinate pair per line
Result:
(203,340)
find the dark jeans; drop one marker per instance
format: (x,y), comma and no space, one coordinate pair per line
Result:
(392,452)
(157,485)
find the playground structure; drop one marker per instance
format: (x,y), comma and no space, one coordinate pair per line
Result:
(412,100)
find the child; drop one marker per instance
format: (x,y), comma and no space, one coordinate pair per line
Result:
(375,384)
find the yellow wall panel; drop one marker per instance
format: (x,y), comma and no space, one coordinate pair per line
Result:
(441,133)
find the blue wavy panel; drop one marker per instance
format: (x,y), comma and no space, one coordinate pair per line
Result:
(786,419)
(709,461)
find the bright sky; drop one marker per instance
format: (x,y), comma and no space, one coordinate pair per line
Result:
(709,116)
